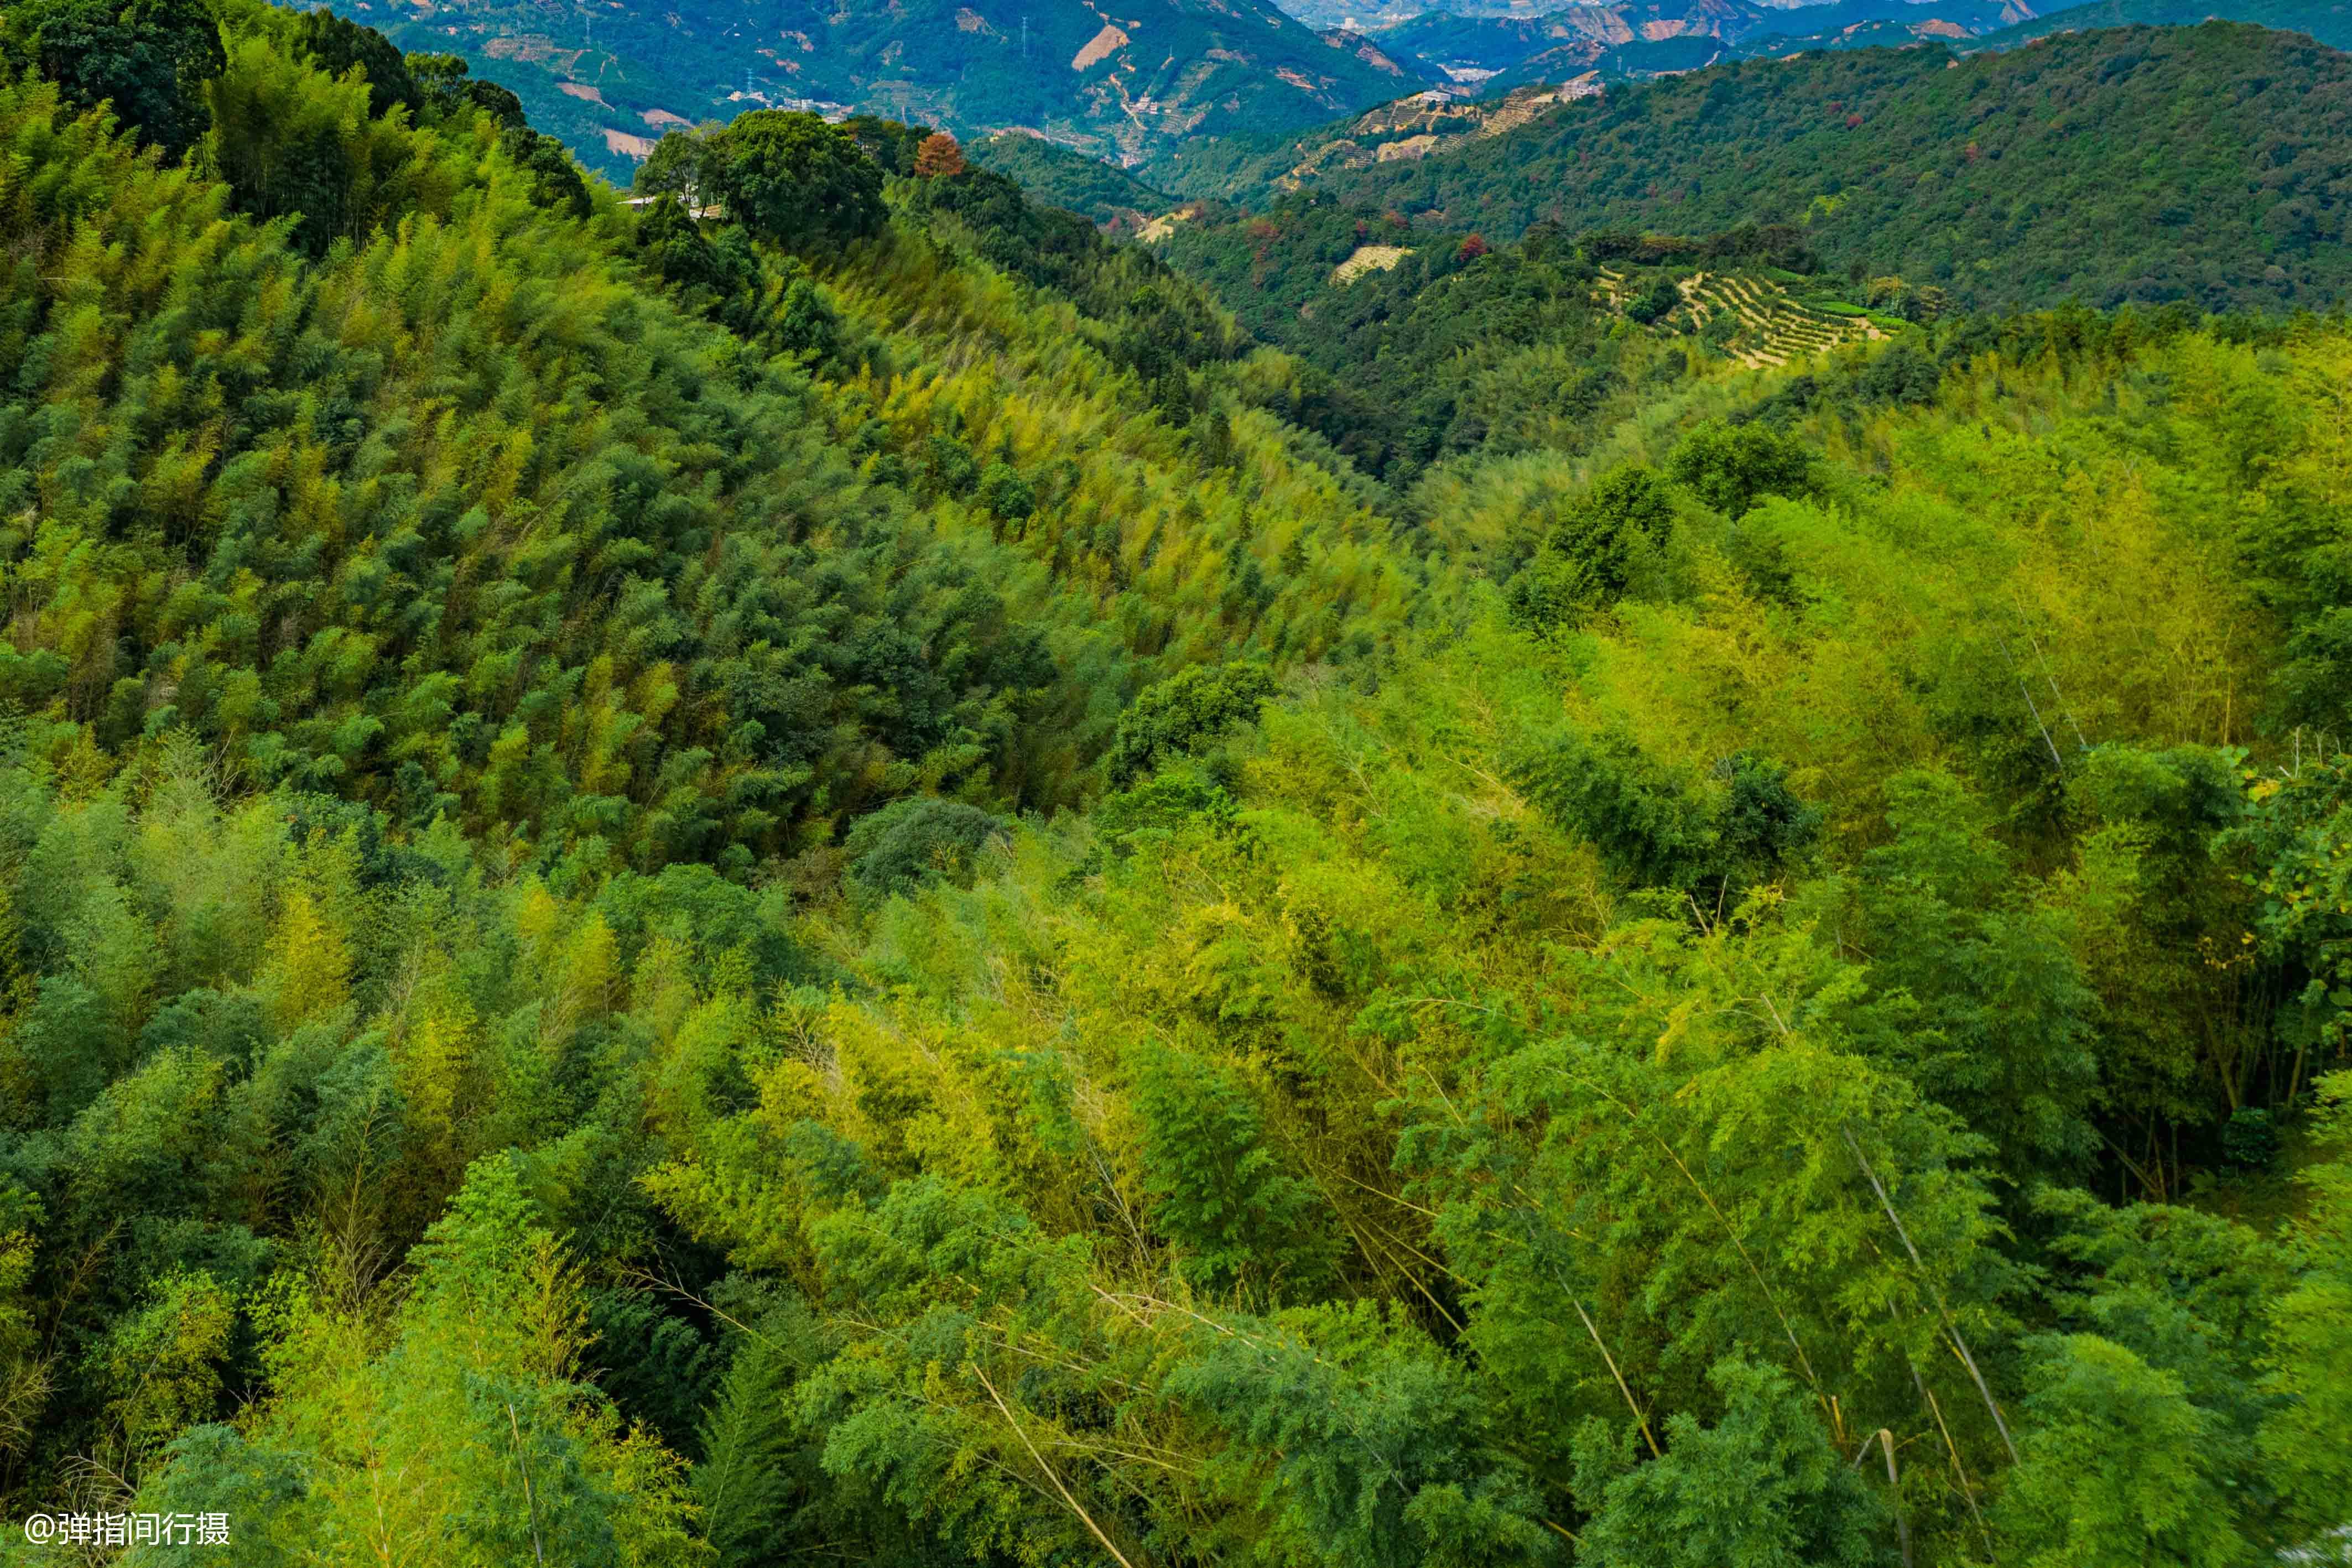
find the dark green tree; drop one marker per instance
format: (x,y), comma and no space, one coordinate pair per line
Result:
(1761,1488)
(1008,494)
(679,165)
(1220,1189)
(555,181)
(1655,828)
(917,839)
(1591,556)
(1657,302)
(336,45)
(1731,467)
(149,58)
(1186,710)
(794,180)
(445,81)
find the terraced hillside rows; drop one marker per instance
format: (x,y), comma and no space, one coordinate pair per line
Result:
(1772,327)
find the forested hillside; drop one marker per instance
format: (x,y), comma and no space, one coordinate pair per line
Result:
(787,876)
(500,534)
(2205,164)
(1419,344)
(1057,176)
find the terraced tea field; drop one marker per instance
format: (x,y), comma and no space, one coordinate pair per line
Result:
(1773,326)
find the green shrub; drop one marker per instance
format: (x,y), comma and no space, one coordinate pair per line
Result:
(1191,708)
(917,839)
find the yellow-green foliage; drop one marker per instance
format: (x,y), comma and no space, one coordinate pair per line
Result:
(1137,524)
(609,955)
(461,518)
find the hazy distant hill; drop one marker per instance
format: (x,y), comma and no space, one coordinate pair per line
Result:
(1653,36)
(2330,23)
(841,882)
(609,80)
(1491,47)
(1970,29)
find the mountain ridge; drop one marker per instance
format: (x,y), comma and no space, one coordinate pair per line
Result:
(1650,37)
(2328,22)
(1121,85)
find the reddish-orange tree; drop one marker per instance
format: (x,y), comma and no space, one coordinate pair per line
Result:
(938,156)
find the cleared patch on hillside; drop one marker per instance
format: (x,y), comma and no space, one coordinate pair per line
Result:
(1419,126)
(1098,49)
(1411,147)
(1369,258)
(1163,225)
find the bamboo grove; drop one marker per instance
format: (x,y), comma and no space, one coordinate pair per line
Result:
(807,887)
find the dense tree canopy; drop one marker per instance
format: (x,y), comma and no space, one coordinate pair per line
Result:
(687,888)
(795,181)
(148,60)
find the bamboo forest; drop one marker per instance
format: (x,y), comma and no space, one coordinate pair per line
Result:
(812,864)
